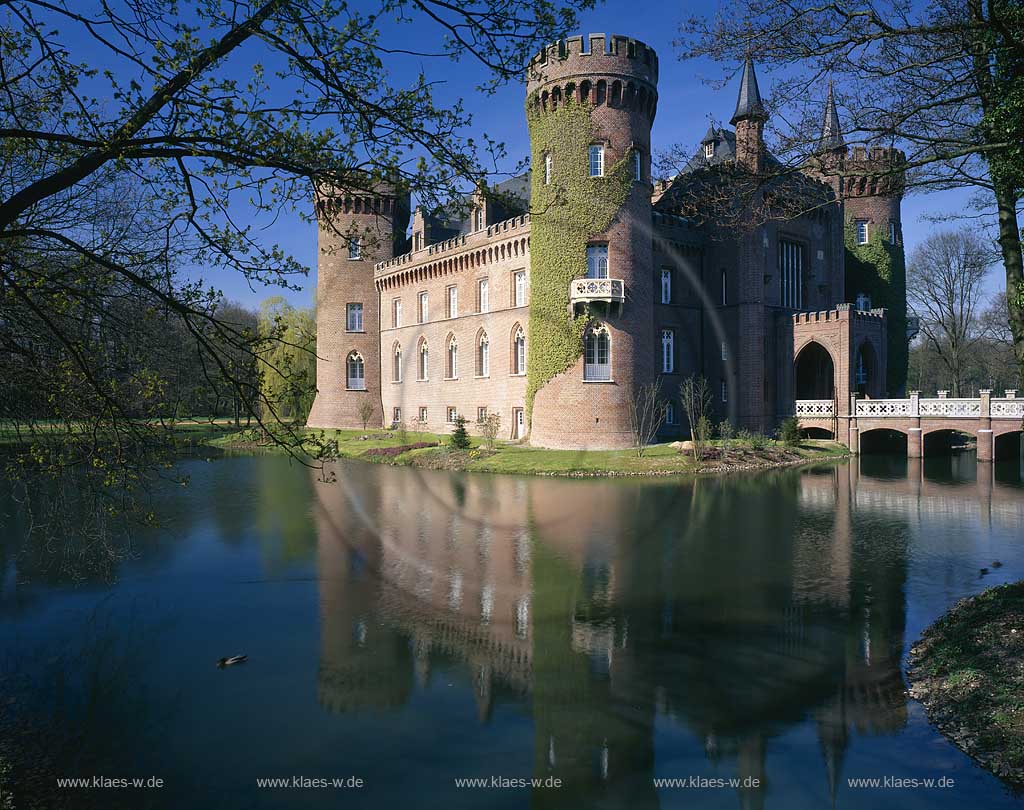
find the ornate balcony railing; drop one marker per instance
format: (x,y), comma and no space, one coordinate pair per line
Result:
(956,408)
(883,407)
(815,407)
(1008,408)
(585,290)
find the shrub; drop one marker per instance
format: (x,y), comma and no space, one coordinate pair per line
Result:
(789,431)
(459,440)
(397,450)
(755,441)
(489,427)
(365,413)
(726,432)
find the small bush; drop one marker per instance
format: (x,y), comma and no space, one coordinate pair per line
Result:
(459,440)
(755,441)
(726,432)
(789,431)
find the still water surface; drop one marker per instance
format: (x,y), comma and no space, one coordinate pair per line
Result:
(410,629)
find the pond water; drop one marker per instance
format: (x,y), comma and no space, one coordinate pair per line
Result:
(745,635)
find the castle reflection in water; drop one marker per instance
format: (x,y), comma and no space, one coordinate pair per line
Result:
(606,606)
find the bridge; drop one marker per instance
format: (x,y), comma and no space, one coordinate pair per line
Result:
(995,422)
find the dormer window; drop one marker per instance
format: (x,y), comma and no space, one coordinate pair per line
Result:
(709,150)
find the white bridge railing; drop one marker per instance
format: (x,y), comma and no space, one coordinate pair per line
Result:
(1009,407)
(815,407)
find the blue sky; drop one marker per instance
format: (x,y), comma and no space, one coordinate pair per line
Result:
(686,103)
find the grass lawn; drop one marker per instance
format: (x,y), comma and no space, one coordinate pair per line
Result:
(968,671)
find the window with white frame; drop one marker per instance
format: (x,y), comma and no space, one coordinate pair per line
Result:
(355,248)
(424,307)
(483,356)
(725,391)
(709,150)
(396,364)
(453,359)
(452,415)
(396,313)
(356,377)
(597,355)
(668,351)
(354,317)
(670,413)
(453,301)
(596,160)
(482,296)
(396,415)
(478,215)
(725,350)
(519,352)
(423,414)
(423,369)
(637,166)
(481,413)
(547,170)
(597,261)
(519,288)
(666,285)
(791,273)
(862,231)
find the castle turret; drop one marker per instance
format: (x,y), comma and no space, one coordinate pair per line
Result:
(749,121)
(590,105)
(356,230)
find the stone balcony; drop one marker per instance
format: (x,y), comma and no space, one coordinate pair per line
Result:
(590,290)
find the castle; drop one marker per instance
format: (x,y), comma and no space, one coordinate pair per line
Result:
(559,294)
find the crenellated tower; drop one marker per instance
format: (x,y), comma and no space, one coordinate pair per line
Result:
(356,229)
(591,102)
(869,182)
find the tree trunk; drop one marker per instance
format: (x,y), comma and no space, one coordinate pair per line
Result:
(1009,242)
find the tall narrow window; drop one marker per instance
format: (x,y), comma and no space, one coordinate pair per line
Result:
(396,364)
(519,288)
(596,161)
(483,356)
(862,231)
(519,352)
(725,391)
(791,273)
(597,355)
(355,248)
(482,299)
(668,351)
(396,415)
(354,317)
(547,170)
(725,288)
(423,414)
(356,372)
(709,150)
(597,261)
(892,233)
(453,359)
(637,165)
(424,307)
(396,312)
(670,413)
(424,362)
(453,302)
(666,285)
(725,350)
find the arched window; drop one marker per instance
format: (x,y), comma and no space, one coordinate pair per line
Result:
(453,358)
(602,91)
(424,362)
(519,351)
(597,354)
(483,356)
(585,91)
(356,377)
(396,363)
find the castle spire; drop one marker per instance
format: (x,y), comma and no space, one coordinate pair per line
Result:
(748,104)
(831,135)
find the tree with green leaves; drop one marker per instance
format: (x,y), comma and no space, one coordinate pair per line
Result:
(288,359)
(142,137)
(944,81)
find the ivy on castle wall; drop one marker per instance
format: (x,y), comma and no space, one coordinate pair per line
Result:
(565,215)
(879,270)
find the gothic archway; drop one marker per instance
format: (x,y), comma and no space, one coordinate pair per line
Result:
(815,373)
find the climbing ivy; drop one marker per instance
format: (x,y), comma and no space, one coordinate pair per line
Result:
(565,215)
(879,270)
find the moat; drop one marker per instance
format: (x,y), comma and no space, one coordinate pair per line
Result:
(412,628)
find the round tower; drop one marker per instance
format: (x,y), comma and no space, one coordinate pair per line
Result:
(591,102)
(356,229)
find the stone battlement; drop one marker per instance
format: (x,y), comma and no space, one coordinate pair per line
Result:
(594,54)
(841,312)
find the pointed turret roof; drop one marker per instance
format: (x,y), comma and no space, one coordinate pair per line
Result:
(748,104)
(831,135)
